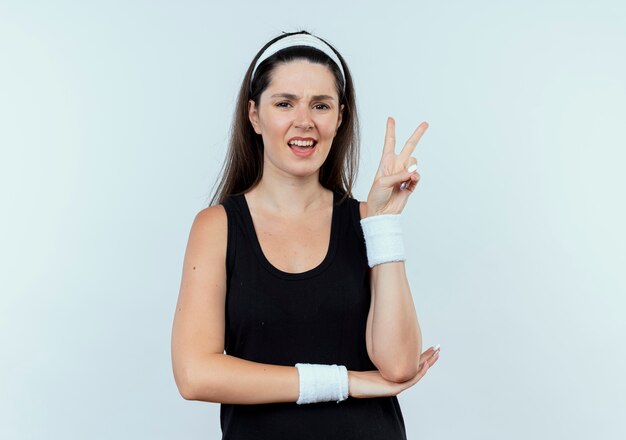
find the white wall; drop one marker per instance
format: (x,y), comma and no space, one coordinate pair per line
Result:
(114,119)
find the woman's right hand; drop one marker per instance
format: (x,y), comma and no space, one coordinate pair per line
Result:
(364,384)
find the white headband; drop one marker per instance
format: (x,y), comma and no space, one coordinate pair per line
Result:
(300,40)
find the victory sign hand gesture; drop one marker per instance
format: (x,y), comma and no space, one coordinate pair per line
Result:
(397,175)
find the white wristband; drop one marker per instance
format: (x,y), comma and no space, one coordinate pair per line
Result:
(384,240)
(322,383)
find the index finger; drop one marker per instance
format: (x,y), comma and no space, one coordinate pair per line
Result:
(412,142)
(390,136)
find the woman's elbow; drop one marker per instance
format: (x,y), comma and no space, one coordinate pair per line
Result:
(186,392)
(184,383)
(401,373)
(200,386)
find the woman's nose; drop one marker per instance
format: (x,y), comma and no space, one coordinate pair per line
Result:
(303,118)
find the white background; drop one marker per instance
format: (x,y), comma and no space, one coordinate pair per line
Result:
(114,120)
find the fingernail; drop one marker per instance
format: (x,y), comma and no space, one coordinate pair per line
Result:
(412,168)
(437,347)
(403,185)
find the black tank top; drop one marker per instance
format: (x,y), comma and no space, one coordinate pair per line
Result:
(318,316)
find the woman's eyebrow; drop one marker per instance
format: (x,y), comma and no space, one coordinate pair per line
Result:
(296,97)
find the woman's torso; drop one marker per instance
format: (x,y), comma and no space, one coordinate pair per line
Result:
(318,315)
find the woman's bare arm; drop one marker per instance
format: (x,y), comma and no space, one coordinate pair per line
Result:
(222,378)
(393,335)
(201,369)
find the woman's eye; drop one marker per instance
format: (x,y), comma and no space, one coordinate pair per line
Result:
(322,106)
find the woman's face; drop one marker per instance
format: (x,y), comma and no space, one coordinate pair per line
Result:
(299,106)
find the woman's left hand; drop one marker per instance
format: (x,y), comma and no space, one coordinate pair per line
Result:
(368,384)
(386,195)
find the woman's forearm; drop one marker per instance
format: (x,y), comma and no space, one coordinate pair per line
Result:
(222,378)
(394,336)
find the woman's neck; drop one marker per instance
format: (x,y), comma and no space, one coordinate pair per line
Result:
(292,198)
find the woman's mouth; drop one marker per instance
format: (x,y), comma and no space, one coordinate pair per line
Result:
(302,147)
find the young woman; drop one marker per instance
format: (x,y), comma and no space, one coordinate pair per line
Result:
(295,311)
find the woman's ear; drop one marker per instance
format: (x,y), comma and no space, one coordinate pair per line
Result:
(253,115)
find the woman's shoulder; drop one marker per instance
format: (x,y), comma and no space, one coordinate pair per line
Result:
(210,227)
(211,217)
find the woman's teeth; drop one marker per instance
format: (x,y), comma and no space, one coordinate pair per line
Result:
(302,143)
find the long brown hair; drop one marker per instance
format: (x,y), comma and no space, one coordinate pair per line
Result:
(243,167)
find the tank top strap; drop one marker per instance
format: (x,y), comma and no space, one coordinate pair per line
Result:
(234,230)
(353,214)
